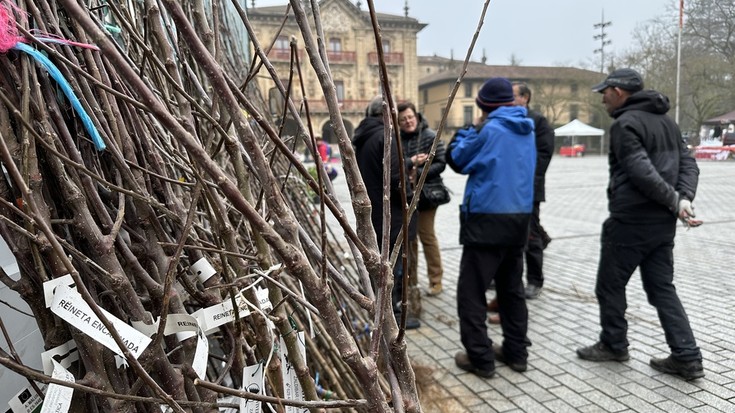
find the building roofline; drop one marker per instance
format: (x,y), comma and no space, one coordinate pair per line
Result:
(483,72)
(385,19)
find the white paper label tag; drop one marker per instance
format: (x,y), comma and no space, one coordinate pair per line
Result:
(50,286)
(121,362)
(203,269)
(291,386)
(185,335)
(263,300)
(212,317)
(65,354)
(175,323)
(72,308)
(26,401)
(201,354)
(252,381)
(58,398)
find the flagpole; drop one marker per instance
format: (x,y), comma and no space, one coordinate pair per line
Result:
(678,59)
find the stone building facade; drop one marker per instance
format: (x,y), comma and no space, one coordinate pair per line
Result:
(560,93)
(352,55)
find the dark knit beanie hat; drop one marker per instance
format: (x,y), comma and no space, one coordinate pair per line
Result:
(496,91)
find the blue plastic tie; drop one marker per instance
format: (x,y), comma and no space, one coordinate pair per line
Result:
(68,91)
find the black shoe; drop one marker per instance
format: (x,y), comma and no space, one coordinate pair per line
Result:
(545,238)
(519,366)
(600,352)
(688,370)
(412,323)
(464,363)
(533,291)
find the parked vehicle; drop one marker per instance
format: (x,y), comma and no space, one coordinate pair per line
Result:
(572,150)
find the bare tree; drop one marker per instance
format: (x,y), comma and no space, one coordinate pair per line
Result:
(707,70)
(189,173)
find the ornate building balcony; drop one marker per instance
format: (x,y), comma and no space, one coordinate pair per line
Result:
(345,106)
(391,59)
(341,57)
(283,55)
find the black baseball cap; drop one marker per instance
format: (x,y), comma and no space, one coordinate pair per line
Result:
(626,79)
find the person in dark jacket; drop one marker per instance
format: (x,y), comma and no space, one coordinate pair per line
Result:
(499,160)
(537,237)
(417,139)
(653,180)
(368,142)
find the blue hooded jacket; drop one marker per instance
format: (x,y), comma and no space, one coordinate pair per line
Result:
(500,160)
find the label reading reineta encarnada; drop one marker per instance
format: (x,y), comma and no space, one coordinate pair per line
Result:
(72,308)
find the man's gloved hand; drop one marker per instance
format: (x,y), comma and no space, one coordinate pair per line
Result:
(686,214)
(685,209)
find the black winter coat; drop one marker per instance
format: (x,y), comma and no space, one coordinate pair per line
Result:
(368,142)
(544,151)
(650,166)
(420,142)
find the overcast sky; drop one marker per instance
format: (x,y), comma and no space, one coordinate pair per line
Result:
(537,32)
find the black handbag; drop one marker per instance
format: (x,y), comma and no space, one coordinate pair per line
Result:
(433,194)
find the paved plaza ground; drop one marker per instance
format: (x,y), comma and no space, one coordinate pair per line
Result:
(565,316)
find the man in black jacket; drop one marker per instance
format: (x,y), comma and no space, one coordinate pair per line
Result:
(537,237)
(653,180)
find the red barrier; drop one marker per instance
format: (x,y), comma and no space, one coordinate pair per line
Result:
(716,153)
(573,150)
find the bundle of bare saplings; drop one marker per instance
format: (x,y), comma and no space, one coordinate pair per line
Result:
(167,245)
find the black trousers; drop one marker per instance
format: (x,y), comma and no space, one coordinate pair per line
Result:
(478,266)
(650,247)
(535,249)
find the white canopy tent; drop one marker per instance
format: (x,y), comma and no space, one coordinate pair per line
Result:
(577,128)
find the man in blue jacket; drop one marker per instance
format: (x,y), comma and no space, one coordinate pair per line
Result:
(499,158)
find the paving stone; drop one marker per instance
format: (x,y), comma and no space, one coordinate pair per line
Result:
(604,401)
(709,409)
(559,406)
(638,404)
(497,401)
(678,397)
(712,400)
(671,407)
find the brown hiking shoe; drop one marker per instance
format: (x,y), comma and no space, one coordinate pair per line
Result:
(434,290)
(601,352)
(519,366)
(463,362)
(688,370)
